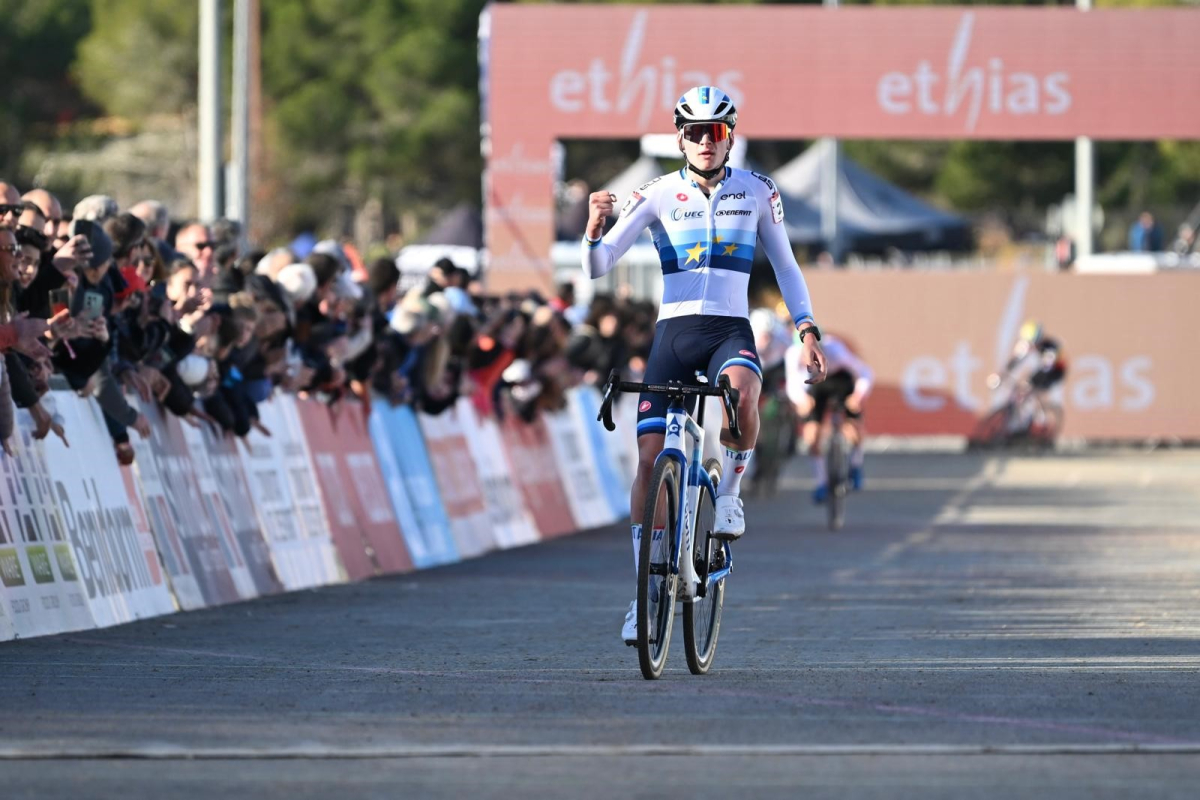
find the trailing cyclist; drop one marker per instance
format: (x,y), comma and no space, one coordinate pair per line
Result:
(1024,392)
(705,220)
(848,385)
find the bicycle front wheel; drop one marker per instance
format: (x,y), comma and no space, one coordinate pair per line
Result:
(839,480)
(702,616)
(656,581)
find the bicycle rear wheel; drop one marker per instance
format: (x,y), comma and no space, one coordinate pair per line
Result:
(702,616)
(656,583)
(839,483)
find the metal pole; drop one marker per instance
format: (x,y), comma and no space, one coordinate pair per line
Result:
(237,201)
(830,152)
(209,177)
(1084,182)
(830,158)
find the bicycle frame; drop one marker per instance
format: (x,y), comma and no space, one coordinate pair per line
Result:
(680,425)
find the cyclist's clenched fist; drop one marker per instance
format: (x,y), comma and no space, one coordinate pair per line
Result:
(600,208)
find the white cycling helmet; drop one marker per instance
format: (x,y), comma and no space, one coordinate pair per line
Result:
(705,104)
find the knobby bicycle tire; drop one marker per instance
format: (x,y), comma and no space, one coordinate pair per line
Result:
(702,616)
(656,583)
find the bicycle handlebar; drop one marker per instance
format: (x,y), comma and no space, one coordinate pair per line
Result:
(724,389)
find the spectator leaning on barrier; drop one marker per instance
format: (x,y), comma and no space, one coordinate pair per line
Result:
(210,332)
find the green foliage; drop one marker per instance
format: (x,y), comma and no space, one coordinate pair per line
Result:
(140,57)
(37,44)
(377,97)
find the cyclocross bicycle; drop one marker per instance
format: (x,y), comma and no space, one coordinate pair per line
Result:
(690,564)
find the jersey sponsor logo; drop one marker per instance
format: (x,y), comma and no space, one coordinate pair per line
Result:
(740,469)
(648,184)
(645,406)
(733,212)
(770,183)
(746,353)
(680,213)
(631,203)
(776,208)
(681,197)
(733,196)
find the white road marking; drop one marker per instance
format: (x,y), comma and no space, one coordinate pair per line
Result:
(315,751)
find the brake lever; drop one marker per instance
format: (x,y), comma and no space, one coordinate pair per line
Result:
(605,414)
(730,397)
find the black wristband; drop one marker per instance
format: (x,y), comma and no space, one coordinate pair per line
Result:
(814,330)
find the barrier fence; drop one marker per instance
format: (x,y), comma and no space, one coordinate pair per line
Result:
(331,496)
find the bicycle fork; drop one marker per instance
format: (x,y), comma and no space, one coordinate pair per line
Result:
(683,564)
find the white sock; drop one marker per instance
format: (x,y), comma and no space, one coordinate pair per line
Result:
(637,546)
(819,474)
(856,456)
(733,467)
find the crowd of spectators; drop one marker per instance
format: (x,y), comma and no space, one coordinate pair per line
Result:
(118,308)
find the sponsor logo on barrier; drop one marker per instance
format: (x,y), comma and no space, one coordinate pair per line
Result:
(106,542)
(992,89)
(646,89)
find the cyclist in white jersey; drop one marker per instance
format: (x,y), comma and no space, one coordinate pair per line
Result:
(848,384)
(705,221)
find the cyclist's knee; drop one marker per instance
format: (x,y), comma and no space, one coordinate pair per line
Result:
(649,446)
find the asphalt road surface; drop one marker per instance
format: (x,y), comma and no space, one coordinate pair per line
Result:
(983,627)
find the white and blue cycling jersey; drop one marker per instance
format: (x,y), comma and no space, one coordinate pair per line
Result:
(706,243)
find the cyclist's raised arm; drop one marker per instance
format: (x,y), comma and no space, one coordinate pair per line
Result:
(772,234)
(600,255)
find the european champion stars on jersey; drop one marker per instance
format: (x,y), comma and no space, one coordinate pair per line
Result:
(705,220)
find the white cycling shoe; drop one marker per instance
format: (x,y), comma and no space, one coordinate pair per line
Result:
(731,521)
(629,629)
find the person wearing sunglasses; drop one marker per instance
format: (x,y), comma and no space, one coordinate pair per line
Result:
(10,205)
(195,243)
(706,220)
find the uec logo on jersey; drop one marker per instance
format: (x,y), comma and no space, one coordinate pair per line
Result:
(679,214)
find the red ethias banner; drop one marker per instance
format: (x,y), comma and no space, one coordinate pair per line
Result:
(364,527)
(536,472)
(930,73)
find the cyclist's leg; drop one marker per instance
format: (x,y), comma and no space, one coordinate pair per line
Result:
(855,432)
(734,354)
(668,361)
(811,433)
(840,387)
